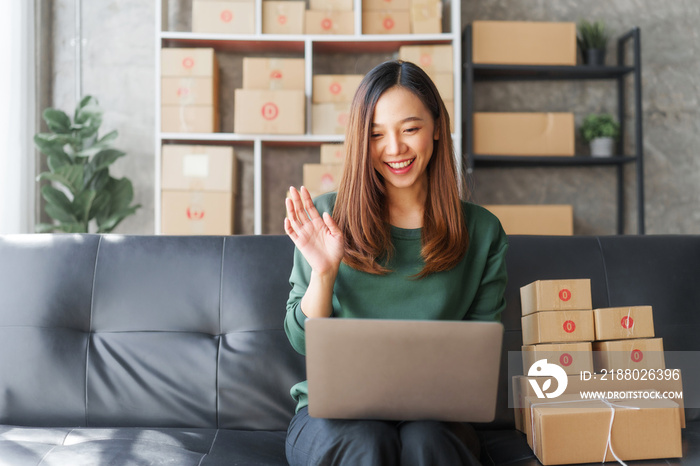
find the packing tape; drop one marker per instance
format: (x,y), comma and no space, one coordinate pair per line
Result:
(612,407)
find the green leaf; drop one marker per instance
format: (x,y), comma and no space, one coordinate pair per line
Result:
(74,227)
(111,223)
(108,138)
(59,214)
(70,176)
(57,198)
(82,205)
(88,118)
(105,158)
(44,227)
(53,145)
(122,193)
(57,120)
(100,206)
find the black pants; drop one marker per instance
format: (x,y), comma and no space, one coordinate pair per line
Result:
(335,442)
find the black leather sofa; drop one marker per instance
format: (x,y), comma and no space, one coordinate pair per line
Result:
(130,350)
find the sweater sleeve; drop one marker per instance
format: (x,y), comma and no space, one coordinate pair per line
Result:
(294,321)
(490,302)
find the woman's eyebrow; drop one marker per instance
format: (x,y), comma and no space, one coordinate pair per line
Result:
(405,120)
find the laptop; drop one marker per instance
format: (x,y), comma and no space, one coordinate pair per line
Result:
(403,369)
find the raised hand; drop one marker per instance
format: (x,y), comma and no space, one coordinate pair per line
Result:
(318,238)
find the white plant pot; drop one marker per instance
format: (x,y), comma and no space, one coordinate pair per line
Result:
(602,147)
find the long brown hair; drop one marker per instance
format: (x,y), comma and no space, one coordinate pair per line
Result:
(361,208)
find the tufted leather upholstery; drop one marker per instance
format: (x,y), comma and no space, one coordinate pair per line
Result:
(170,350)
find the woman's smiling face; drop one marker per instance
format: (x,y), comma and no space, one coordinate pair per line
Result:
(401,142)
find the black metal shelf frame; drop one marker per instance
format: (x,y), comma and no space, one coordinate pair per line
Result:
(474,72)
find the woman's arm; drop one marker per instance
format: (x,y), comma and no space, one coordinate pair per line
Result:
(490,302)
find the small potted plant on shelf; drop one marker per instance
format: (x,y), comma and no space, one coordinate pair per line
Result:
(600,131)
(592,39)
(81,189)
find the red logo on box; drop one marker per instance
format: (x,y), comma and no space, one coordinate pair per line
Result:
(183,91)
(335,88)
(270,111)
(426,59)
(282,19)
(389,23)
(565,359)
(627,322)
(195,213)
(226,16)
(569,326)
(342,119)
(188,62)
(326,24)
(565,295)
(636,355)
(275,74)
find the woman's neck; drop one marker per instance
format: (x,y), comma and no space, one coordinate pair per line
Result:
(406,207)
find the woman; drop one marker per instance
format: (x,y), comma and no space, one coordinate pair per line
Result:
(395,242)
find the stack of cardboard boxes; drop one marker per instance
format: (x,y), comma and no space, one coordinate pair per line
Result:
(330,17)
(198,190)
(189,90)
(386,16)
(622,414)
(223,16)
(332,95)
(272,100)
(436,61)
(324,177)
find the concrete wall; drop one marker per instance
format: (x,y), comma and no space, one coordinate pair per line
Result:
(119,54)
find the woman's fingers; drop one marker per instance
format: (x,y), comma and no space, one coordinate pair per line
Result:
(309,203)
(330,223)
(299,210)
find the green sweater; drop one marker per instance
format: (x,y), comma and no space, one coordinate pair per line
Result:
(473,290)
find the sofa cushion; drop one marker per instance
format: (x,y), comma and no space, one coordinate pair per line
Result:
(24,446)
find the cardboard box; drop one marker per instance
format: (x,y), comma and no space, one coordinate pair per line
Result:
(321,178)
(189,119)
(335,87)
(329,22)
(450,106)
(269,112)
(223,17)
(432,58)
(189,62)
(188,91)
(539,134)
(553,219)
(610,386)
(385,5)
(643,353)
(524,43)
(572,357)
(386,22)
(332,153)
(556,295)
(426,18)
(329,118)
(578,432)
(196,213)
(557,327)
(198,168)
(283,17)
(618,323)
(273,73)
(331,5)
(445,85)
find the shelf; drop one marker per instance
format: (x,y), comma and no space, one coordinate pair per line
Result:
(228,138)
(550,161)
(487,72)
(357,43)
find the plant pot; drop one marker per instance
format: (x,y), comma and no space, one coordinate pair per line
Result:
(595,57)
(602,147)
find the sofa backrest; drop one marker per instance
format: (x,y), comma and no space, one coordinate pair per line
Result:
(188,331)
(145,331)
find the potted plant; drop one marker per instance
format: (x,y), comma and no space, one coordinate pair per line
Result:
(592,39)
(81,187)
(600,131)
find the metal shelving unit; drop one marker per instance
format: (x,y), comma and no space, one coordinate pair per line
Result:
(307,45)
(473,72)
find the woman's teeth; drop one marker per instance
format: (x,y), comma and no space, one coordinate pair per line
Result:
(399,165)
